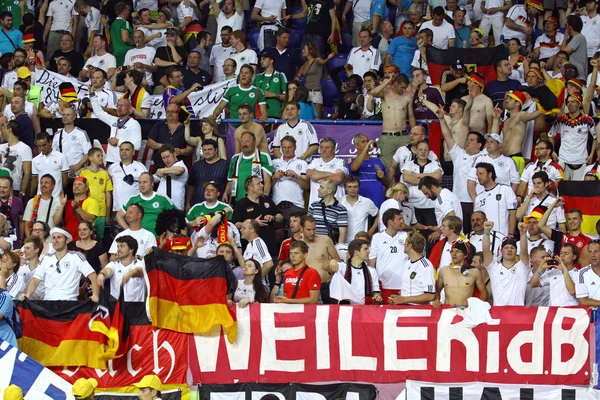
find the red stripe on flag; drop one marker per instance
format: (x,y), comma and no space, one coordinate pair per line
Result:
(53,332)
(187,292)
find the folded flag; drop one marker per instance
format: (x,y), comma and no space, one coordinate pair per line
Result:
(474,60)
(109,320)
(585,196)
(55,333)
(189,294)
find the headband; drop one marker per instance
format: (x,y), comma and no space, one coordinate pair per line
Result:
(62,232)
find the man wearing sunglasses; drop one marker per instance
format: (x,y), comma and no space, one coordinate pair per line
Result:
(62,271)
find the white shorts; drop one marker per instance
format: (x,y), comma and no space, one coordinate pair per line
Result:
(315,97)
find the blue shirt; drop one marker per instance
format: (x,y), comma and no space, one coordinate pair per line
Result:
(6,309)
(6,46)
(307,111)
(462,34)
(370,186)
(380,8)
(496,90)
(402,51)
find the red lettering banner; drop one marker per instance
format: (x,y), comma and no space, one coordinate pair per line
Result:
(280,343)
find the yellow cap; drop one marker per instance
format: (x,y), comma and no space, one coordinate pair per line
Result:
(23,72)
(149,381)
(82,387)
(13,392)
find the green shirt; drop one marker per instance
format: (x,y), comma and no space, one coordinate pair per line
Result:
(275,83)
(201,209)
(118,46)
(12,6)
(152,206)
(236,96)
(245,170)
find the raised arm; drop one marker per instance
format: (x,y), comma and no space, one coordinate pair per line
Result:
(439,112)
(524,250)
(488,256)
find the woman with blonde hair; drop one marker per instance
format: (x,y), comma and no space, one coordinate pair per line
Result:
(397,197)
(208,130)
(313,71)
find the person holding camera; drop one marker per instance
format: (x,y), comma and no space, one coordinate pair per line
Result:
(125,176)
(330,216)
(369,170)
(176,93)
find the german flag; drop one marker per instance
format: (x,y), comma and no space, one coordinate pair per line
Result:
(55,333)
(189,294)
(109,320)
(474,60)
(585,196)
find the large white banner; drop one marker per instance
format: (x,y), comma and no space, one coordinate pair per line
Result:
(203,102)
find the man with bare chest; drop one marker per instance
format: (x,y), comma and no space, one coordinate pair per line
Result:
(245,115)
(321,250)
(479,106)
(514,129)
(459,279)
(396,109)
(456,119)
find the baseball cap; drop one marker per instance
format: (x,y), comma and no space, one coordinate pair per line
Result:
(509,242)
(172,31)
(461,246)
(496,136)
(458,65)
(83,388)
(23,73)
(270,53)
(149,381)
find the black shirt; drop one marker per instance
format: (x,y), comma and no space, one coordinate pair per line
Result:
(459,90)
(245,209)
(165,53)
(202,172)
(75,57)
(319,20)
(160,133)
(189,78)
(38,34)
(287,62)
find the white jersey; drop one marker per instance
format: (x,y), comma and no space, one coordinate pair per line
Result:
(408,211)
(537,296)
(364,61)
(61,277)
(445,203)
(54,164)
(246,56)
(508,284)
(358,280)
(418,277)
(105,62)
(10,115)
(496,203)
(591,31)
(145,239)
(145,56)
(554,170)
(235,21)
(559,294)
(62,13)
(557,216)
(390,258)
(134,289)
(74,145)
(218,55)
(463,165)
(287,188)
(257,250)
(519,16)
(496,239)
(358,215)
(404,155)
(27,273)
(505,167)
(12,159)
(332,166)
(303,132)
(210,242)
(588,284)
(177,182)
(417,198)
(117,172)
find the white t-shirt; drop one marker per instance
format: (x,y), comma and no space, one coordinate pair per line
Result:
(93,21)
(247,56)
(463,165)
(235,21)
(587,284)
(303,132)
(288,188)
(144,55)
(27,273)
(357,281)
(418,277)
(391,260)
(445,203)
(10,115)
(505,167)
(244,291)
(218,55)
(104,62)
(519,16)
(149,4)
(591,31)
(496,204)
(441,34)
(145,239)
(9,79)
(334,165)
(184,11)
(177,185)
(361,10)
(417,198)
(75,144)
(12,159)
(62,13)
(358,214)
(559,295)
(269,8)
(496,239)
(364,61)
(210,243)
(63,285)
(257,250)
(134,289)
(54,164)
(508,284)
(156,42)
(117,172)
(404,155)
(573,138)
(43,215)
(551,47)
(407,209)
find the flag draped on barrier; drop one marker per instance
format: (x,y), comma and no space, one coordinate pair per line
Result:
(56,333)
(474,60)
(584,196)
(188,294)
(109,320)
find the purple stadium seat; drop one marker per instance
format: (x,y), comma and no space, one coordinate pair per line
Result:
(253,38)
(330,92)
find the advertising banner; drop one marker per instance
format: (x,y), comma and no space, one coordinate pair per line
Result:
(292,391)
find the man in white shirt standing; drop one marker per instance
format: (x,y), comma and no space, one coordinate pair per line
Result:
(588,284)
(122,127)
(232,15)
(359,274)
(257,248)
(387,253)
(302,131)
(144,238)
(61,271)
(173,177)
(15,157)
(364,57)
(101,60)
(268,12)
(242,55)
(127,271)
(446,202)
(45,204)
(219,53)
(106,97)
(443,32)
(497,201)
(62,18)
(359,210)
(93,22)
(327,167)
(141,57)
(125,175)
(591,27)
(493,18)
(49,162)
(361,10)
(289,180)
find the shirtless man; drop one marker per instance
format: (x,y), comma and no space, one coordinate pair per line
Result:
(514,129)
(245,115)
(321,250)
(459,279)
(396,108)
(478,104)
(457,120)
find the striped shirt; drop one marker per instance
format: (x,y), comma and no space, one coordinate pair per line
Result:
(202,172)
(337,216)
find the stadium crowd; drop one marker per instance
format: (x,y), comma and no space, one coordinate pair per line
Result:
(457,197)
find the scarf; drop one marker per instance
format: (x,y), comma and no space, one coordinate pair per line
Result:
(36,206)
(222,229)
(367,275)
(256,170)
(6,207)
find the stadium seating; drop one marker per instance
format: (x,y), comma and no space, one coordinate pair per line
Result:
(253,38)
(295,38)
(330,92)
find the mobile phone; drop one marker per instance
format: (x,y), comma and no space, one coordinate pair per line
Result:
(552,262)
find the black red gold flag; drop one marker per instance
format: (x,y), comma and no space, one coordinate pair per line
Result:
(585,196)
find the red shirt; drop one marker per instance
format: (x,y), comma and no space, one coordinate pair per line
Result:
(580,240)
(72,219)
(284,250)
(311,280)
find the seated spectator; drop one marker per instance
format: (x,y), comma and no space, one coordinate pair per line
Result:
(67,50)
(312,72)
(66,100)
(548,44)
(134,92)
(144,238)
(243,93)
(106,97)
(141,57)
(250,289)
(272,83)
(476,39)
(33,53)
(364,57)
(73,142)
(167,56)
(42,207)
(101,60)
(63,67)
(369,170)
(49,161)
(126,271)
(10,279)
(402,48)
(87,244)
(308,110)
(193,73)
(443,32)
(229,68)
(301,284)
